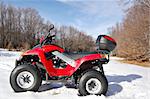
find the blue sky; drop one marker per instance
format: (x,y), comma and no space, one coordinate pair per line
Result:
(91,16)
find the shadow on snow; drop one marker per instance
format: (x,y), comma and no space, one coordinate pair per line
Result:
(114,80)
(55,85)
(49,86)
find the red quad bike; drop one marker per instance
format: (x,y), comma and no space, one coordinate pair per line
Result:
(50,62)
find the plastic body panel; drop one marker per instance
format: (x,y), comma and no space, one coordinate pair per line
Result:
(48,64)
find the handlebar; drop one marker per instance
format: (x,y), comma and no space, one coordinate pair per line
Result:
(48,36)
(51,27)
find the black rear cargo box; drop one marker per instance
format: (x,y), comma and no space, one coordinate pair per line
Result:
(105,43)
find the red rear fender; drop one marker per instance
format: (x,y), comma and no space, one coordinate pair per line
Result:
(87,58)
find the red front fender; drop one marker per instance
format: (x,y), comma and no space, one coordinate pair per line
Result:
(46,63)
(36,51)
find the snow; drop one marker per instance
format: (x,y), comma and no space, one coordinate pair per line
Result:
(126,81)
(116,58)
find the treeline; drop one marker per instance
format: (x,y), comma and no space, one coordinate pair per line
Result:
(19,28)
(72,39)
(133,33)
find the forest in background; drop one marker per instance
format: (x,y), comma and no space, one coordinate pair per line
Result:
(133,33)
(20,28)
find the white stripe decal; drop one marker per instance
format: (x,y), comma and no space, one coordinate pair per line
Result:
(65,58)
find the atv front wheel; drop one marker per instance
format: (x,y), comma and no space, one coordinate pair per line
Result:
(25,78)
(93,82)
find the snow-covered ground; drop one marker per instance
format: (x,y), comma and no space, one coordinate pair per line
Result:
(126,81)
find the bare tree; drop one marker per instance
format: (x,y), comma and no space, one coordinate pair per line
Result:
(20,27)
(133,34)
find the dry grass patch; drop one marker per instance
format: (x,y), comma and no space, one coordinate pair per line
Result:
(143,64)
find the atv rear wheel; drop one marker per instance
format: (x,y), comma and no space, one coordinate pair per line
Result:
(93,82)
(25,78)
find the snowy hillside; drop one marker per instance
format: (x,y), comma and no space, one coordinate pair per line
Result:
(126,81)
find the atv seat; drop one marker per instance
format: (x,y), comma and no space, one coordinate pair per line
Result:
(76,56)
